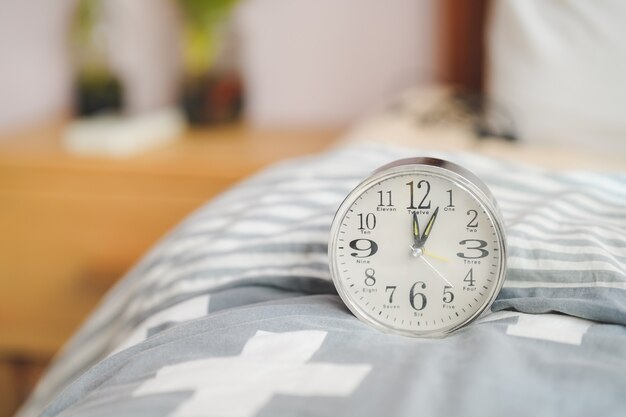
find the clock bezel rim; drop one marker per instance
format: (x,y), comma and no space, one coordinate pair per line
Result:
(462,178)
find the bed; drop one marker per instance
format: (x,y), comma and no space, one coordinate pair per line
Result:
(234,312)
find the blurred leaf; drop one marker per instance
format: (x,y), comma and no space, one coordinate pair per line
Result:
(87,45)
(205,13)
(202,19)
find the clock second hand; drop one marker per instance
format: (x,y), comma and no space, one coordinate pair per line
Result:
(436,271)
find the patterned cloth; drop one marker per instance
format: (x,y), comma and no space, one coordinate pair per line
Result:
(234,313)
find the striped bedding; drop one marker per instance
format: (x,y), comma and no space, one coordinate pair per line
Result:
(234,313)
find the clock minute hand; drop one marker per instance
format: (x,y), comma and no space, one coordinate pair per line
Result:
(429,227)
(416,231)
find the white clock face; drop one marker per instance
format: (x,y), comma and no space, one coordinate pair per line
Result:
(416,253)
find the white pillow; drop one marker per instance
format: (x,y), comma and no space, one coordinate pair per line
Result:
(558,67)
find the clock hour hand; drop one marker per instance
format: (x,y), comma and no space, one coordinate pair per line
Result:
(428,229)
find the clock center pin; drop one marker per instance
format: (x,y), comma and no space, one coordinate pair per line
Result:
(416,252)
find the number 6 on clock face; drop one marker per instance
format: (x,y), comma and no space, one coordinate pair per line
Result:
(418,248)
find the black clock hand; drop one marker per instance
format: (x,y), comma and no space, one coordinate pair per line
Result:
(429,227)
(416,231)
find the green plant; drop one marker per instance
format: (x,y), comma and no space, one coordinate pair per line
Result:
(201,19)
(88,47)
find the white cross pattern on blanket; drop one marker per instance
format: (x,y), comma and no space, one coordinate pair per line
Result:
(552,327)
(270,363)
(187,310)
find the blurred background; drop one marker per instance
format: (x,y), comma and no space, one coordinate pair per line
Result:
(118,117)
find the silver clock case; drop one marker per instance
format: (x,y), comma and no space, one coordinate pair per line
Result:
(437,167)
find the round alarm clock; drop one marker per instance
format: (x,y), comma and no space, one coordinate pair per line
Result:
(418,248)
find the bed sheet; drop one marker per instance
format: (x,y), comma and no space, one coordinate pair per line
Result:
(234,313)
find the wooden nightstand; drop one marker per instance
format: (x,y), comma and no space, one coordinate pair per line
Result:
(71,226)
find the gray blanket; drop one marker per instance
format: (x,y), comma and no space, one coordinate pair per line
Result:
(234,313)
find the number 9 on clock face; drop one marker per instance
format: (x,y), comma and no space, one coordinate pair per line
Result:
(418,248)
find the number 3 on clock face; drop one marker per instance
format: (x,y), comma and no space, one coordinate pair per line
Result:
(418,248)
